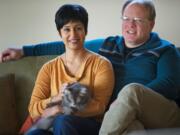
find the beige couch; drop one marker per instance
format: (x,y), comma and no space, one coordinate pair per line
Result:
(16,84)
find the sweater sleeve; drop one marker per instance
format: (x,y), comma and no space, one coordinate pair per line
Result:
(94,45)
(41,93)
(167,80)
(50,48)
(57,47)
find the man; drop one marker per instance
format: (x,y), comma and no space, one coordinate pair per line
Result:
(146,70)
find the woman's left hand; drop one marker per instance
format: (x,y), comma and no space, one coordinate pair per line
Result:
(51,111)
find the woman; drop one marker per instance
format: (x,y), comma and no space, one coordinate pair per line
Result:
(76,64)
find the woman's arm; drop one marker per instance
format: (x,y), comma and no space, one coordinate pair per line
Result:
(41,95)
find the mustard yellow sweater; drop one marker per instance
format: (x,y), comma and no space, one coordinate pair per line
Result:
(96,72)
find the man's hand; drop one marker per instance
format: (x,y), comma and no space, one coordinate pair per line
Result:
(11,54)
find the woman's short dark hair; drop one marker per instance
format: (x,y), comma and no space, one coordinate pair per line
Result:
(71,12)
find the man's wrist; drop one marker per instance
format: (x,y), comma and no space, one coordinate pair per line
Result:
(22,52)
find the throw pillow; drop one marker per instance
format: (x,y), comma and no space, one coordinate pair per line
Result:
(8,115)
(26,125)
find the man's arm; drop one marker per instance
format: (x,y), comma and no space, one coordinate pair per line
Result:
(167,81)
(56,48)
(11,54)
(50,48)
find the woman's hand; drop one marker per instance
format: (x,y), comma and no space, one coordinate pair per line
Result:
(52,111)
(59,96)
(55,109)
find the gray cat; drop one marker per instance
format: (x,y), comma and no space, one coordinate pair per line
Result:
(76,97)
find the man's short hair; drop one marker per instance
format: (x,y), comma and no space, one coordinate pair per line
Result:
(148,4)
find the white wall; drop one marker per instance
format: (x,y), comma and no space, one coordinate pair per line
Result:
(32,21)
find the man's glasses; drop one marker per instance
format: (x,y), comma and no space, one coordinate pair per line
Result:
(136,20)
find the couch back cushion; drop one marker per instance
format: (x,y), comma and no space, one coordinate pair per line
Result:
(25,71)
(8,113)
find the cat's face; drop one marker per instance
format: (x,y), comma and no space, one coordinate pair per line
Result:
(76,96)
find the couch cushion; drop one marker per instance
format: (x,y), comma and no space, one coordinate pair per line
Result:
(8,114)
(25,71)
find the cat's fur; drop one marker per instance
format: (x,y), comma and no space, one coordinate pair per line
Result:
(76,97)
